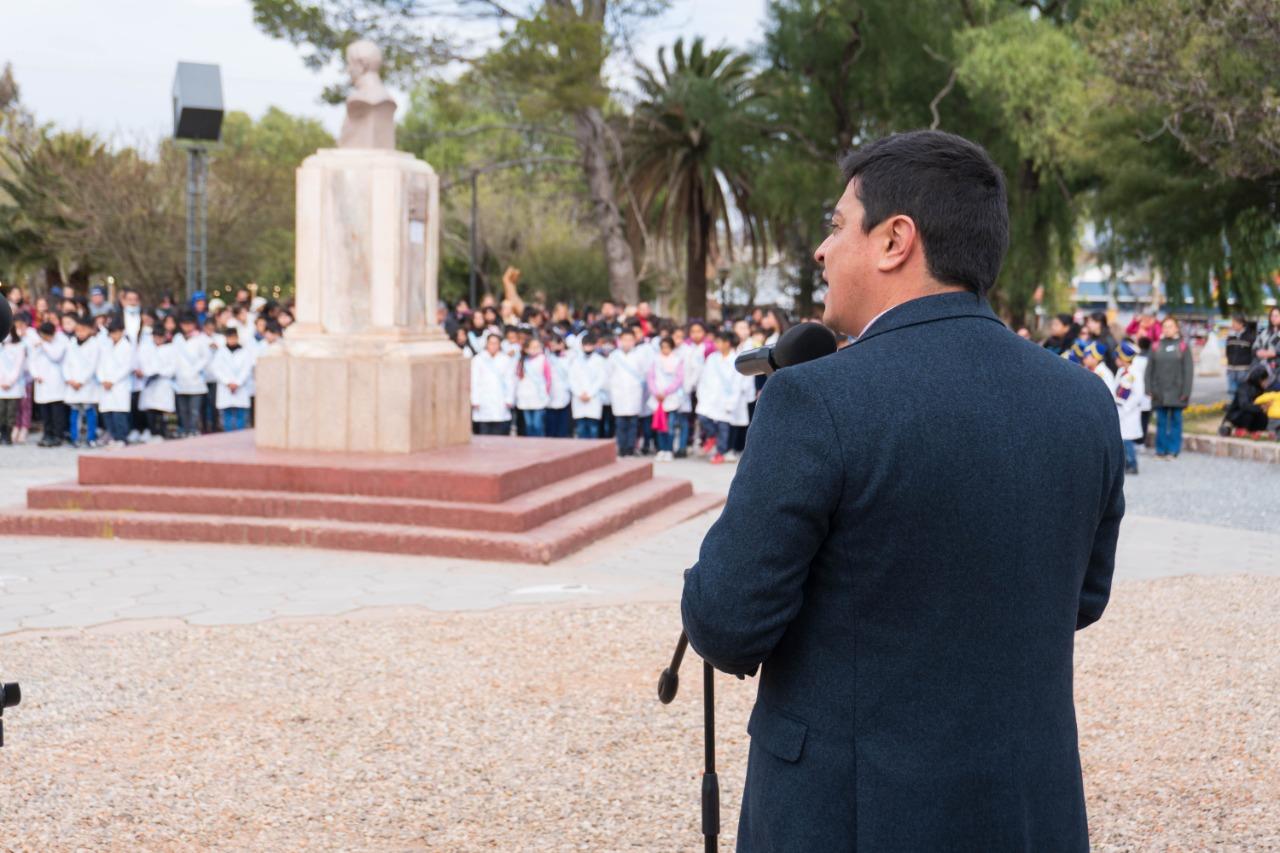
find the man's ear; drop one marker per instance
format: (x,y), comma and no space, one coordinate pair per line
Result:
(900,238)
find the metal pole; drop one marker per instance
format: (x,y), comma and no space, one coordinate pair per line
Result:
(192,165)
(204,221)
(475,251)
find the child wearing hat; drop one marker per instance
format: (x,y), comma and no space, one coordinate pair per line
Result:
(1129,390)
(1093,356)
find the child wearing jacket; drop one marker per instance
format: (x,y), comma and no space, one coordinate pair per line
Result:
(115,374)
(158,364)
(46,373)
(1130,389)
(233,368)
(533,388)
(79,372)
(13,384)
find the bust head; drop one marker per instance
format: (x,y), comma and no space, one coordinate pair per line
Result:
(363,57)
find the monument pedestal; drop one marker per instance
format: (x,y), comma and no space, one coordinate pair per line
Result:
(365,368)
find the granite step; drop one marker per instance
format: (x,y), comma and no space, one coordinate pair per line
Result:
(490,469)
(545,543)
(521,513)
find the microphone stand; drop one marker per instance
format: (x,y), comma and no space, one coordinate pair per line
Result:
(668,685)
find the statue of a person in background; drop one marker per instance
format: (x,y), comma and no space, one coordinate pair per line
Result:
(371,111)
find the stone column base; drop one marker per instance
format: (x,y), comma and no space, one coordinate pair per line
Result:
(363,395)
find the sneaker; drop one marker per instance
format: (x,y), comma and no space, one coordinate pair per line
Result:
(717,459)
(731,457)
(134,435)
(153,438)
(708,446)
(681,454)
(116,445)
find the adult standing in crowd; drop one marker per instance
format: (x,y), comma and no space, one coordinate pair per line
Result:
(1239,353)
(1266,347)
(1170,374)
(1063,332)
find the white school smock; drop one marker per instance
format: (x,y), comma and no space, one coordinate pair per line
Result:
(720,390)
(46,369)
(532,392)
(158,364)
(662,376)
(1104,373)
(492,388)
(587,375)
(233,368)
(81,365)
(1139,368)
(115,365)
(1131,387)
(627,382)
(13,369)
(694,358)
(560,394)
(191,358)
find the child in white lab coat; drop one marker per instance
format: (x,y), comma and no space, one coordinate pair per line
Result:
(588,374)
(533,388)
(115,374)
(628,366)
(47,354)
(79,372)
(13,384)
(492,389)
(722,395)
(233,369)
(191,357)
(158,364)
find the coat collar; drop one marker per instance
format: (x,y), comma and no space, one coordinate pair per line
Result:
(930,309)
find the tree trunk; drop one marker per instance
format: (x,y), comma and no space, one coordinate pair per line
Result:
(699,235)
(590,135)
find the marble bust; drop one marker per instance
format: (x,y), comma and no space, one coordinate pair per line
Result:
(371,111)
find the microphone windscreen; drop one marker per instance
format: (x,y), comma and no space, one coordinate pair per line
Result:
(803,342)
(6,318)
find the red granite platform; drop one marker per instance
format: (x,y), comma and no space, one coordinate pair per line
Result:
(525,499)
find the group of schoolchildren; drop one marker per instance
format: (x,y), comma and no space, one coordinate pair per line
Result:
(97,379)
(651,385)
(1153,371)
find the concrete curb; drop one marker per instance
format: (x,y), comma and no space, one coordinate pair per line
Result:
(1234,448)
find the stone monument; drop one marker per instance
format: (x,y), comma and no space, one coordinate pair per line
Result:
(365,367)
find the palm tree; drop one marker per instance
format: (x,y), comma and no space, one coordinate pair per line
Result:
(692,143)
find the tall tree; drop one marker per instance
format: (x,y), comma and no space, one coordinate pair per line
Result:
(551,53)
(691,139)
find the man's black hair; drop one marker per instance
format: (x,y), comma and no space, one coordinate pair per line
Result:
(47,328)
(953,192)
(115,324)
(590,339)
(187,317)
(274,328)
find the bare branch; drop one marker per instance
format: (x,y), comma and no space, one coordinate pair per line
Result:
(937,99)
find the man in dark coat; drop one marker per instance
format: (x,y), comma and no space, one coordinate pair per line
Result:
(890,554)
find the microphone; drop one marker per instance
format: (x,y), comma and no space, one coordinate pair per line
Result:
(6,318)
(800,343)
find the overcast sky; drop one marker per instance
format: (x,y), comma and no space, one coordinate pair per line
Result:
(107,65)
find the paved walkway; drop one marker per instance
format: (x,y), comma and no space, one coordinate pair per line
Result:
(78,583)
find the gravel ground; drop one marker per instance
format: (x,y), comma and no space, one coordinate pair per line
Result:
(1206,489)
(539,730)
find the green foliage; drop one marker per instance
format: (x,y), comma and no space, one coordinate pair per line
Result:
(694,134)
(533,214)
(79,204)
(1206,71)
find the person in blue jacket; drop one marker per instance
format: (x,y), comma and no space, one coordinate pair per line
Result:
(889,560)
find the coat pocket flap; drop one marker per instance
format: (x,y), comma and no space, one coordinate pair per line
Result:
(777,733)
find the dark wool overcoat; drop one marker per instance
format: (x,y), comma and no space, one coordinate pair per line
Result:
(920,524)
